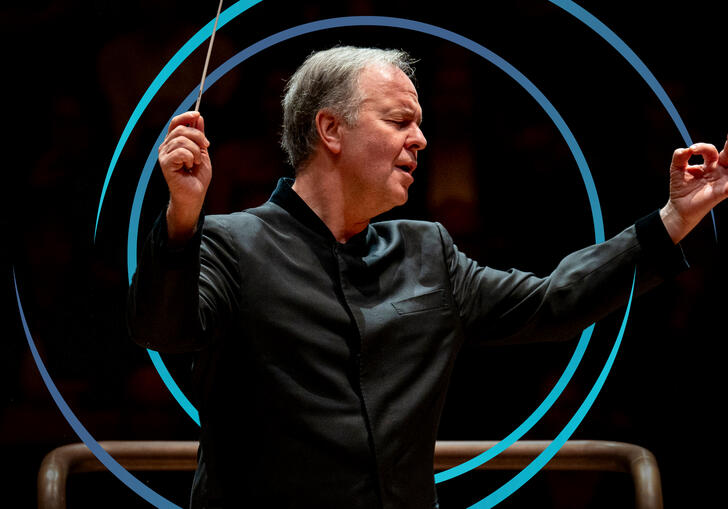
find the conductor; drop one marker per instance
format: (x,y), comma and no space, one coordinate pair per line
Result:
(324,342)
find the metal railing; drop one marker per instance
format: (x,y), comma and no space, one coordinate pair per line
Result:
(593,455)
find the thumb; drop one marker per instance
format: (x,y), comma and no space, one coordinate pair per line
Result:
(200,124)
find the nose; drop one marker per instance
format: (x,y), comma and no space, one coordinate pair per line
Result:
(416,140)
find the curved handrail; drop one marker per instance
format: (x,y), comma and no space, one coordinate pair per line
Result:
(594,455)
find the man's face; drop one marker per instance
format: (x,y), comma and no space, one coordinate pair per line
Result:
(379,153)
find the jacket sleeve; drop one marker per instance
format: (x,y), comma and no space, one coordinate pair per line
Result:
(181,298)
(515,306)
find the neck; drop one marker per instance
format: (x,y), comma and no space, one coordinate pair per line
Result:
(325,192)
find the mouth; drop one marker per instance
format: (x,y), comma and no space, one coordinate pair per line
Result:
(407,167)
(407,170)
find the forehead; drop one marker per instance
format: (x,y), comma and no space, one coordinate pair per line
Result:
(386,86)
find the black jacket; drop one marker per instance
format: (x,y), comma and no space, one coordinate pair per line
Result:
(339,355)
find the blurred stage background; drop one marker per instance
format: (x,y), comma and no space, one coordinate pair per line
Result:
(496,173)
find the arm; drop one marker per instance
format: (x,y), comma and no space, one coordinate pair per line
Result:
(186,280)
(515,306)
(594,281)
(182,297)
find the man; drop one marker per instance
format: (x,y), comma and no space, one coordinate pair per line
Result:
(332,337)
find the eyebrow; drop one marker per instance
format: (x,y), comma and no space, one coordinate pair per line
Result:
(407,112)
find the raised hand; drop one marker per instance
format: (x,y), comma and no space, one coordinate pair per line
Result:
(185,163)
(694,189)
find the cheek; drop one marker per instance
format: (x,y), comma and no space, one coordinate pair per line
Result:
(375,153)
(384,151)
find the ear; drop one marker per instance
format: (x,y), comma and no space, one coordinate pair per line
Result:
(329,128)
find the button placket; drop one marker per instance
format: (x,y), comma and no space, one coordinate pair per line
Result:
(343,287)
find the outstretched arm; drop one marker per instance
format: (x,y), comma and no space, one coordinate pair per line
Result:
(694,189)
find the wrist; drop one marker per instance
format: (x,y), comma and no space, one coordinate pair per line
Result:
(181,223)
(677,227)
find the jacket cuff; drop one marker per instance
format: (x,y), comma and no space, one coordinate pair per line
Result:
(175,256)
(657,246)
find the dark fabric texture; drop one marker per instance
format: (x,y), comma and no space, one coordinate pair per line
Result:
(324,366)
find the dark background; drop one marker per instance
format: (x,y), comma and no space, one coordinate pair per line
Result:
(496,173)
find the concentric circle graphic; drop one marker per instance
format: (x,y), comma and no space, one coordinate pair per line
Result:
(409,25)
(517,481)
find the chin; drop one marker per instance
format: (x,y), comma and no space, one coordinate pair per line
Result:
(392,197)
(395,202)
(400,201)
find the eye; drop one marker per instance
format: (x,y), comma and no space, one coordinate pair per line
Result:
(401,123)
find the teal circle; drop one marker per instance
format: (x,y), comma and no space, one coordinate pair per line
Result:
(467,44)
(242,6)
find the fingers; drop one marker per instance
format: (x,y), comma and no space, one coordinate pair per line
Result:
(183,151)
(195,135)
(185,142)
(188,118)
(681,157)
(178,159)
(707,150)
(185,163)
(189,124)
(183,147)
(723,156)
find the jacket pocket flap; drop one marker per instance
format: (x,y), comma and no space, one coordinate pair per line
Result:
(430,300)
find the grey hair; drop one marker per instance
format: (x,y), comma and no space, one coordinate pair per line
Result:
(329,80)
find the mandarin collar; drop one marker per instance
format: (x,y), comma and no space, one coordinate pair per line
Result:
(285,197)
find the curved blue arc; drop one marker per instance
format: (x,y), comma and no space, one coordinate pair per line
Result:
(179,57)
(618,44)
(131,262)
(445,34)
(636,62)
(131,258)
(174,389)
(136,206)
(530,422)
(106,459)
(455,38)
(538,463)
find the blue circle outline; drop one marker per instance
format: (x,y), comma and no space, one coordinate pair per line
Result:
(157,500)
(104,457)
(431,30)
(567,5)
